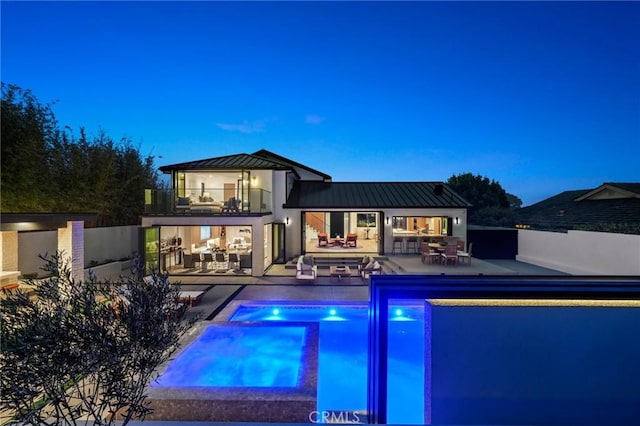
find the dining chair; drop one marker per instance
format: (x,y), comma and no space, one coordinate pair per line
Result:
(450,254)
(187,261)
(195,259)
(234,261)
(221,261)
(462,255)
(207,259)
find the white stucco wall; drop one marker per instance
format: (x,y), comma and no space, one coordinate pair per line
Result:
(99,244)
(115,242)
(581,252)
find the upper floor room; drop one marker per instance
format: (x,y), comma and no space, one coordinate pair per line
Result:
(234,184)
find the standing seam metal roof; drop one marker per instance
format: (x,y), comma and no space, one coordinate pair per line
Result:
(316,194)
(230,162)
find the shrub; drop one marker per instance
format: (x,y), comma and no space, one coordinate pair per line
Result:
(84,352)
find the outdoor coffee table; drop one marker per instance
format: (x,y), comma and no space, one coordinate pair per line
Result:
(340,272)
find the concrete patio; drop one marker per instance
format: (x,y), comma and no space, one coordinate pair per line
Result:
(280,283)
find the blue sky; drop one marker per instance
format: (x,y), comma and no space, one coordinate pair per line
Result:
(542,97)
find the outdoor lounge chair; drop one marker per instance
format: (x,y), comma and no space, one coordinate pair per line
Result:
(372,268)
(306,269)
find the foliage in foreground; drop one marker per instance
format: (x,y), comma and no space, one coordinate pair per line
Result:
(80,352)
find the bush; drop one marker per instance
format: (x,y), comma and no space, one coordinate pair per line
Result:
(85,350)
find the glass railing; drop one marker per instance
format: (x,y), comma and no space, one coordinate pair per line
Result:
(206,201)
(503,350)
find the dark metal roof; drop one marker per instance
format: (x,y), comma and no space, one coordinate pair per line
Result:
(373,195)
(275,157)
(570,210)
(229,162)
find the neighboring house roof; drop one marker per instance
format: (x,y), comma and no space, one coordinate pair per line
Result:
(610,207)
(372,195)
(275,157)
(229,162)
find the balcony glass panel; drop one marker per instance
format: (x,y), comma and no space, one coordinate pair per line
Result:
(207,201)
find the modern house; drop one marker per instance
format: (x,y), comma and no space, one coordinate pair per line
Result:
(611,207)
(242,213)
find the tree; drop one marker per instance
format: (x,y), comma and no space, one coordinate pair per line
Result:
(84,352)
(46,169)
(27,130)
(491,204)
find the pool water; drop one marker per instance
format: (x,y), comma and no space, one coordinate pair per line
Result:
(271,357)
(343,347)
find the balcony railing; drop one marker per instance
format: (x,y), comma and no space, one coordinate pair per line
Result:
(207,201)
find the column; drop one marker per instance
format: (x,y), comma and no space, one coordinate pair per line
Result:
(71,243)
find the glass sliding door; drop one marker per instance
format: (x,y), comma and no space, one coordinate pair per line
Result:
(151,249)
(278,247)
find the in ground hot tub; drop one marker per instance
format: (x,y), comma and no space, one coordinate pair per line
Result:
(254,372)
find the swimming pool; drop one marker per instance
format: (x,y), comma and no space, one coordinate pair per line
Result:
(271,358)
(343,345)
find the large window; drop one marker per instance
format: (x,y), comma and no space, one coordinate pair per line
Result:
(421,225)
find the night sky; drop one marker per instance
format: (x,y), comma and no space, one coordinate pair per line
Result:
(542,97)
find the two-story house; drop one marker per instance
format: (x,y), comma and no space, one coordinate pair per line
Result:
(240,214)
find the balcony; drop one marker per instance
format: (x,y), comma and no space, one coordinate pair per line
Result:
(209,201)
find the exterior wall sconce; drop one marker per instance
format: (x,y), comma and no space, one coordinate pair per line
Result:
(387,220)
(287,220)
(457,221)
(254,179)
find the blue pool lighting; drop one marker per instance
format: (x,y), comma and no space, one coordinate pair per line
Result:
(276,312)
(342,363)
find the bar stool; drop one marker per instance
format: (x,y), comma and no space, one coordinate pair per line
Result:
(397,243)
(412,242)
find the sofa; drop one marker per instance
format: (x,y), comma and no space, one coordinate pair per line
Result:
(204,204)
(306,269)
